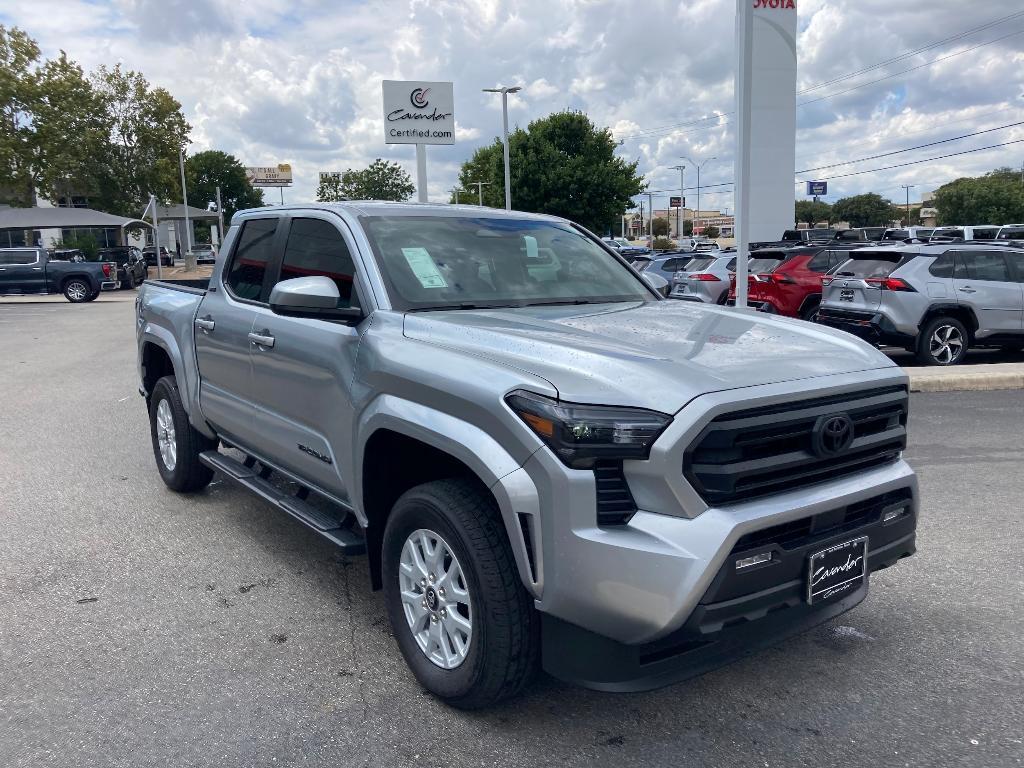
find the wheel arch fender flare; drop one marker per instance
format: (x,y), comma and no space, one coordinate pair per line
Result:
(163,339)
(510,484)
(957,311)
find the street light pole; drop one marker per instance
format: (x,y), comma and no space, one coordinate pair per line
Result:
(682,197)
(908,187)
(184,199)
(650,218)
(505,91)
(696,213)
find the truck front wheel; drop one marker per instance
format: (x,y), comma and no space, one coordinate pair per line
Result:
(176,443)
(463,621)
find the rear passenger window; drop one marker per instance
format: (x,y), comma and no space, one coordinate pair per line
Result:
(1017,259)
(820,262)
(249,264)
(988,266)
(316,247)
(18,257)
(942,266)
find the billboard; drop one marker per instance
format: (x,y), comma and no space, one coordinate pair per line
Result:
(418,112)
(279,175)
(817,188)
(676,202)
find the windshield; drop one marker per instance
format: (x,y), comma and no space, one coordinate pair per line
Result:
(461,262)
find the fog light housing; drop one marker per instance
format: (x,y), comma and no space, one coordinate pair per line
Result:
(750,562)
(894,513)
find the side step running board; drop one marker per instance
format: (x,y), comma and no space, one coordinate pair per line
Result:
(322,522)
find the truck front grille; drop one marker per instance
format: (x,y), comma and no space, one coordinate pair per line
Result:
(760,451)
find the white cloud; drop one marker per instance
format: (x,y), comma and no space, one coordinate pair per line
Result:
(299,81)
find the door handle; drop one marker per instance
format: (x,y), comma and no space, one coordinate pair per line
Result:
(262,339)
(37,269)
(967,289)
(206,323)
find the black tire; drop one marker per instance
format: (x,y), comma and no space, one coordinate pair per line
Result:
(810,311)
(505,644)
(723,299)
(188,473)
(76,290)
(128,283)
(93,296)
(925,352)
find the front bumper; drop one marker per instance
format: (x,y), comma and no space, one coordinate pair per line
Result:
(733,619)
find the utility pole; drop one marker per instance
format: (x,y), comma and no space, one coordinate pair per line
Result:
(682,197)
(908,187)
(641,214)
(696,212)
(480,189)
(504,91)
(650,218)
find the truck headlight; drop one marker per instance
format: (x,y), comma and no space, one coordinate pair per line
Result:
(581,434)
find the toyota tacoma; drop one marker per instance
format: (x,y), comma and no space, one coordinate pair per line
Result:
(545,463)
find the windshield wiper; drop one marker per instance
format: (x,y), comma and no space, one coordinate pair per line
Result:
(563,302)
(462,305)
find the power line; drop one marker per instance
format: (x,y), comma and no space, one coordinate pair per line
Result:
(911,149)
(660,130)
(914,52)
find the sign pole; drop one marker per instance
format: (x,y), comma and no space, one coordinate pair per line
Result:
(156,239)
(744,44)
(421,173)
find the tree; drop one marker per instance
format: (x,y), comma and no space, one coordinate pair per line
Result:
(329,190)
(711,231)
(382,180)
(205,171)
(18,56)
(660,226)
(869,210)
(145,132)
(995,198)
(811,212)
(688,227)
(563,165)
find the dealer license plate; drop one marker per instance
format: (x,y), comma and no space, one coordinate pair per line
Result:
(846,295)
(838,570)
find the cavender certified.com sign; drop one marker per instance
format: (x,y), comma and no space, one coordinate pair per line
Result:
(417,112)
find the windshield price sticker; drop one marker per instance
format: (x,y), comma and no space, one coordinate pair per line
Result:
(424,268)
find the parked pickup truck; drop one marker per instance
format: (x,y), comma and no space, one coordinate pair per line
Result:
(544,462)
(32,270)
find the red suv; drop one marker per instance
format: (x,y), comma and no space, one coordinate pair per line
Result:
(787,281)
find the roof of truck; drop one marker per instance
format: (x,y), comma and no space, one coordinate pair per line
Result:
(388,208)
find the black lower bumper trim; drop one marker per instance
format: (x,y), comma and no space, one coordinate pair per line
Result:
(585,658)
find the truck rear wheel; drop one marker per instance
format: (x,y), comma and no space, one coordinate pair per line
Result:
(76,290)
(176,443)
(463,621)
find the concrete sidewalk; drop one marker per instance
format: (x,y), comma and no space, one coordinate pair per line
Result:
(967,378)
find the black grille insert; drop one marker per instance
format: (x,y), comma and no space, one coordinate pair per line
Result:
(760,451)
(615,505)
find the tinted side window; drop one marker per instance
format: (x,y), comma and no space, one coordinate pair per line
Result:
(986,265)
(943,266)
(316,247)
(820,262)
(249,264)
(1016,258)
(731,266)
(17,257)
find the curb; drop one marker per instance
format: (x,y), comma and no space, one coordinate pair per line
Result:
(968,378)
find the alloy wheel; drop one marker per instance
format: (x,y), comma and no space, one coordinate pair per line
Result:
(77,291)
(946,344)
(165,435)
(435,598)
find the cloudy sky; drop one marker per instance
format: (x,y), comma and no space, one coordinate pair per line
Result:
(299,81)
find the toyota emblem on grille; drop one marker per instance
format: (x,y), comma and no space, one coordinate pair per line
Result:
(833,434)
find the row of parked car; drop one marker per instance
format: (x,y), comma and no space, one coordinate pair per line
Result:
(81,277)
(934,295)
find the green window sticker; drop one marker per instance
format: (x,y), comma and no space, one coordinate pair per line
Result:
(424,268)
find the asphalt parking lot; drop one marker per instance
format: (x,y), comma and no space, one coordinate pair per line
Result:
(139,627)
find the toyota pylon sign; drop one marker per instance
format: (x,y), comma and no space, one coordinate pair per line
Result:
(418,112)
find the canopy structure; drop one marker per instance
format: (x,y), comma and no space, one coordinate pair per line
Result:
(177,213)
(61,218)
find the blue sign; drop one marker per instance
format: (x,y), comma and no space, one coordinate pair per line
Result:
(817,188)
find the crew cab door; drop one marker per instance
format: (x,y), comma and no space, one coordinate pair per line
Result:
(222,327)
(22,271)
(303,368)
(982,280)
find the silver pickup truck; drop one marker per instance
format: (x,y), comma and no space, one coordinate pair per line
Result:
(545,463)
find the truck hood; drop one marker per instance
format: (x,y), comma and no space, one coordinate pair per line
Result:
(657,355)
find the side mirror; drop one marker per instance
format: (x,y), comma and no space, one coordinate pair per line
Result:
(657,282)
(315,297)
